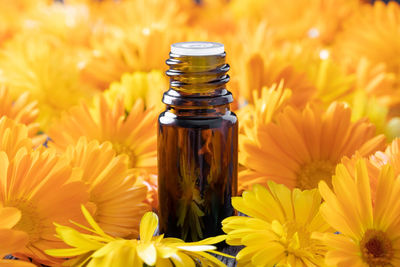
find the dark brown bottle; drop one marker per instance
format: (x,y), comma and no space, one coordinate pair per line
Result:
(197,143)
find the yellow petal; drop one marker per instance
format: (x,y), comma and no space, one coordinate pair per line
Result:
(148,226)
(148,253)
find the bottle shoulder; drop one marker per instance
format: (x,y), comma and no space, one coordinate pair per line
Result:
(228,119)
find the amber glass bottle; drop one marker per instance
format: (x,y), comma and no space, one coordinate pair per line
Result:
(197,143)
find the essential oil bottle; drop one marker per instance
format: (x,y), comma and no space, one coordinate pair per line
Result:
(197,143)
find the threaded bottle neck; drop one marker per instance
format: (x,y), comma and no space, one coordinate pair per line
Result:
(197,80)
(201,75)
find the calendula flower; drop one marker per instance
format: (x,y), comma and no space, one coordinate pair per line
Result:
(146,85)
(315,19)
(70,23)
(368,224)
(115,196)
(11,240)
(133,134)
(279,227)
(99,249)
(257,68)
(303,147)
(379,43)
(136,36)
(21,110)
(30,180)
(37,63)
(270,102)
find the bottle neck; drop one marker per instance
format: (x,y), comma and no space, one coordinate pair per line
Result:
(197,81)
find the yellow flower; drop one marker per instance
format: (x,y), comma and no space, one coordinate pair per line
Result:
(70,23)
(133,134)
(39,184)
(100,249)
(23,111)
(149,86)
(266,106)
(379,43)
(302,148)
(279,227)
(297,20)
(11,240)
(37,63)
(369,226)
(136,36)
(257,67)
(114,195)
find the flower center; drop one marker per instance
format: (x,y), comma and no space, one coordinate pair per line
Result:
(311,173)
(376,248)
(298,242)
(30,221)
(123,149)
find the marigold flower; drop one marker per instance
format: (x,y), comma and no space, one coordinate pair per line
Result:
(368,225)
(302,148)
(133,134)
(99,249)
(279,227)
(116,198)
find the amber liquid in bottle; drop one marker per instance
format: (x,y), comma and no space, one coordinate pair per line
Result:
(197,144)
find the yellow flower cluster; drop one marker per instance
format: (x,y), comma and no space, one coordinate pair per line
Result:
(317,91)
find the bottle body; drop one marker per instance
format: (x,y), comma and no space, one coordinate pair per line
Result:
(197,144)
(197,161)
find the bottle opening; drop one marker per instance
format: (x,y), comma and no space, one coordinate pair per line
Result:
(197,48)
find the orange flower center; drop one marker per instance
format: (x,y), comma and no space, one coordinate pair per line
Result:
(311,173)
(123,149)
(376,248)
(30,221)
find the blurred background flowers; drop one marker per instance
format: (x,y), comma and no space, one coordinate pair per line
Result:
(317,90)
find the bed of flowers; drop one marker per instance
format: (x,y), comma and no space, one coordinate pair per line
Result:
(317,92)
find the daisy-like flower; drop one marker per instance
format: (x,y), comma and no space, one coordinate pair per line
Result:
(303,147)
(265,106)
(369,224)
(136,36)
(314,19)
(28,183)
(21,110)
(99,249)
(379,43)
(28,180)
(146,85)
(36,63)
(116,198)
(257,68)
(133,134)
(11,240)
(279,227)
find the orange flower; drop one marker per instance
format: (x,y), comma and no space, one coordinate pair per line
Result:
(23,111)
(133,134)
(116,198)
(302,148)
(40,185)
(29,183)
